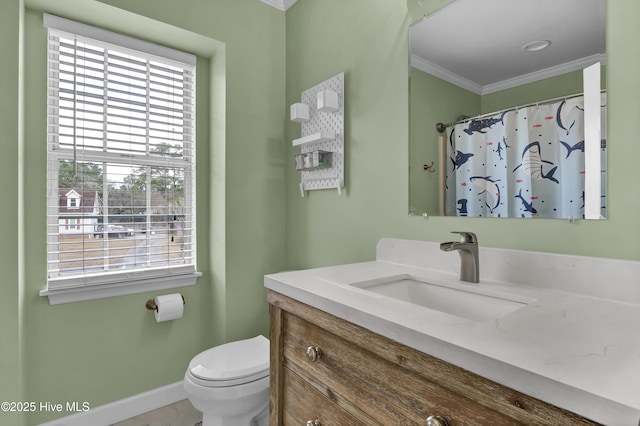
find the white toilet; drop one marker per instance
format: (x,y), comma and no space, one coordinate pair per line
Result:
(230,383)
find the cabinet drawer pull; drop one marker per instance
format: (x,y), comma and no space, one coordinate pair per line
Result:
(313,423)
(437,421)
(313,353)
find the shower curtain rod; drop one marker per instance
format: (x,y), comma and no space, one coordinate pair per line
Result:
(441,127)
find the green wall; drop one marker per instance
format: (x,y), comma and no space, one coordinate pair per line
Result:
(431,101)
(11,247)
(367,39)
(103,350)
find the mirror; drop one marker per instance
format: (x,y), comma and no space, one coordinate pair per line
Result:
(505,80)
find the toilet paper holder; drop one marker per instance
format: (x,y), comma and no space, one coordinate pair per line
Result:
(152,306)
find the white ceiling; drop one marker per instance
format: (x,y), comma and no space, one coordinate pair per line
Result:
(478,44)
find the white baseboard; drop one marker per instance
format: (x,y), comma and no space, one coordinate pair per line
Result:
(123,409)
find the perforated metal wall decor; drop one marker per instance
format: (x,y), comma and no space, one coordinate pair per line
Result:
(324,131)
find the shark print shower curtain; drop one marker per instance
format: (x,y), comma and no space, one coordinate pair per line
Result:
(527,162)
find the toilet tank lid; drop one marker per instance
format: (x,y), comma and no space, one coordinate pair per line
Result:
(234,360)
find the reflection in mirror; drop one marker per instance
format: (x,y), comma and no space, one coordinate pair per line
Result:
(504,80)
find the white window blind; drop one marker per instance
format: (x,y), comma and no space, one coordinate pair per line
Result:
(121,147)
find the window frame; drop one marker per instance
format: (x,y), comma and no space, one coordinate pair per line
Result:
(64,289)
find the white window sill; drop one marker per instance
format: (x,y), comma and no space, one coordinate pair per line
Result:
(99,291)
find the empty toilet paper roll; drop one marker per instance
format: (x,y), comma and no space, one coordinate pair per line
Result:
(170,307)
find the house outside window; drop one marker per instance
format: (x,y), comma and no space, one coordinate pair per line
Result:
(78,211)
(72,201)
(121,162)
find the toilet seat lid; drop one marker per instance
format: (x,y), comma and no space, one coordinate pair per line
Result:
(243,359)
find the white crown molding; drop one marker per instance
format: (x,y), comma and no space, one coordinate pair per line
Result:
(554,71)
(289,3)
(282,5)
(444,74)
(453,78)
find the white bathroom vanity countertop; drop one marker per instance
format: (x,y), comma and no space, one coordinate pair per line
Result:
(576,344)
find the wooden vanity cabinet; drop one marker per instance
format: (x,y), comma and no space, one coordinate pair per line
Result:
(327,371)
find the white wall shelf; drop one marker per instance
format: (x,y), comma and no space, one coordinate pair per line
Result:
(314,138)
(323,132)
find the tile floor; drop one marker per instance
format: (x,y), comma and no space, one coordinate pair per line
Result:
(181,413)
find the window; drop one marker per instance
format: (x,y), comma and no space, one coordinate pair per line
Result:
(121,147)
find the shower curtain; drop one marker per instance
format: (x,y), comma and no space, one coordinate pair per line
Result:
(526,162)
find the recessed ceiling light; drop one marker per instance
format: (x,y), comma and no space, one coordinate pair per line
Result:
(536,46)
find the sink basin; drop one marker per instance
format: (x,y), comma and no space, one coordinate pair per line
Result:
(463,300)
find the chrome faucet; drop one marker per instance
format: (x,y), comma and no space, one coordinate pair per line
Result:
(468,249)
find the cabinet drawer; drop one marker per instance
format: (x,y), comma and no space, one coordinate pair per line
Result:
(302,404)
(379,381)
(391,394)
